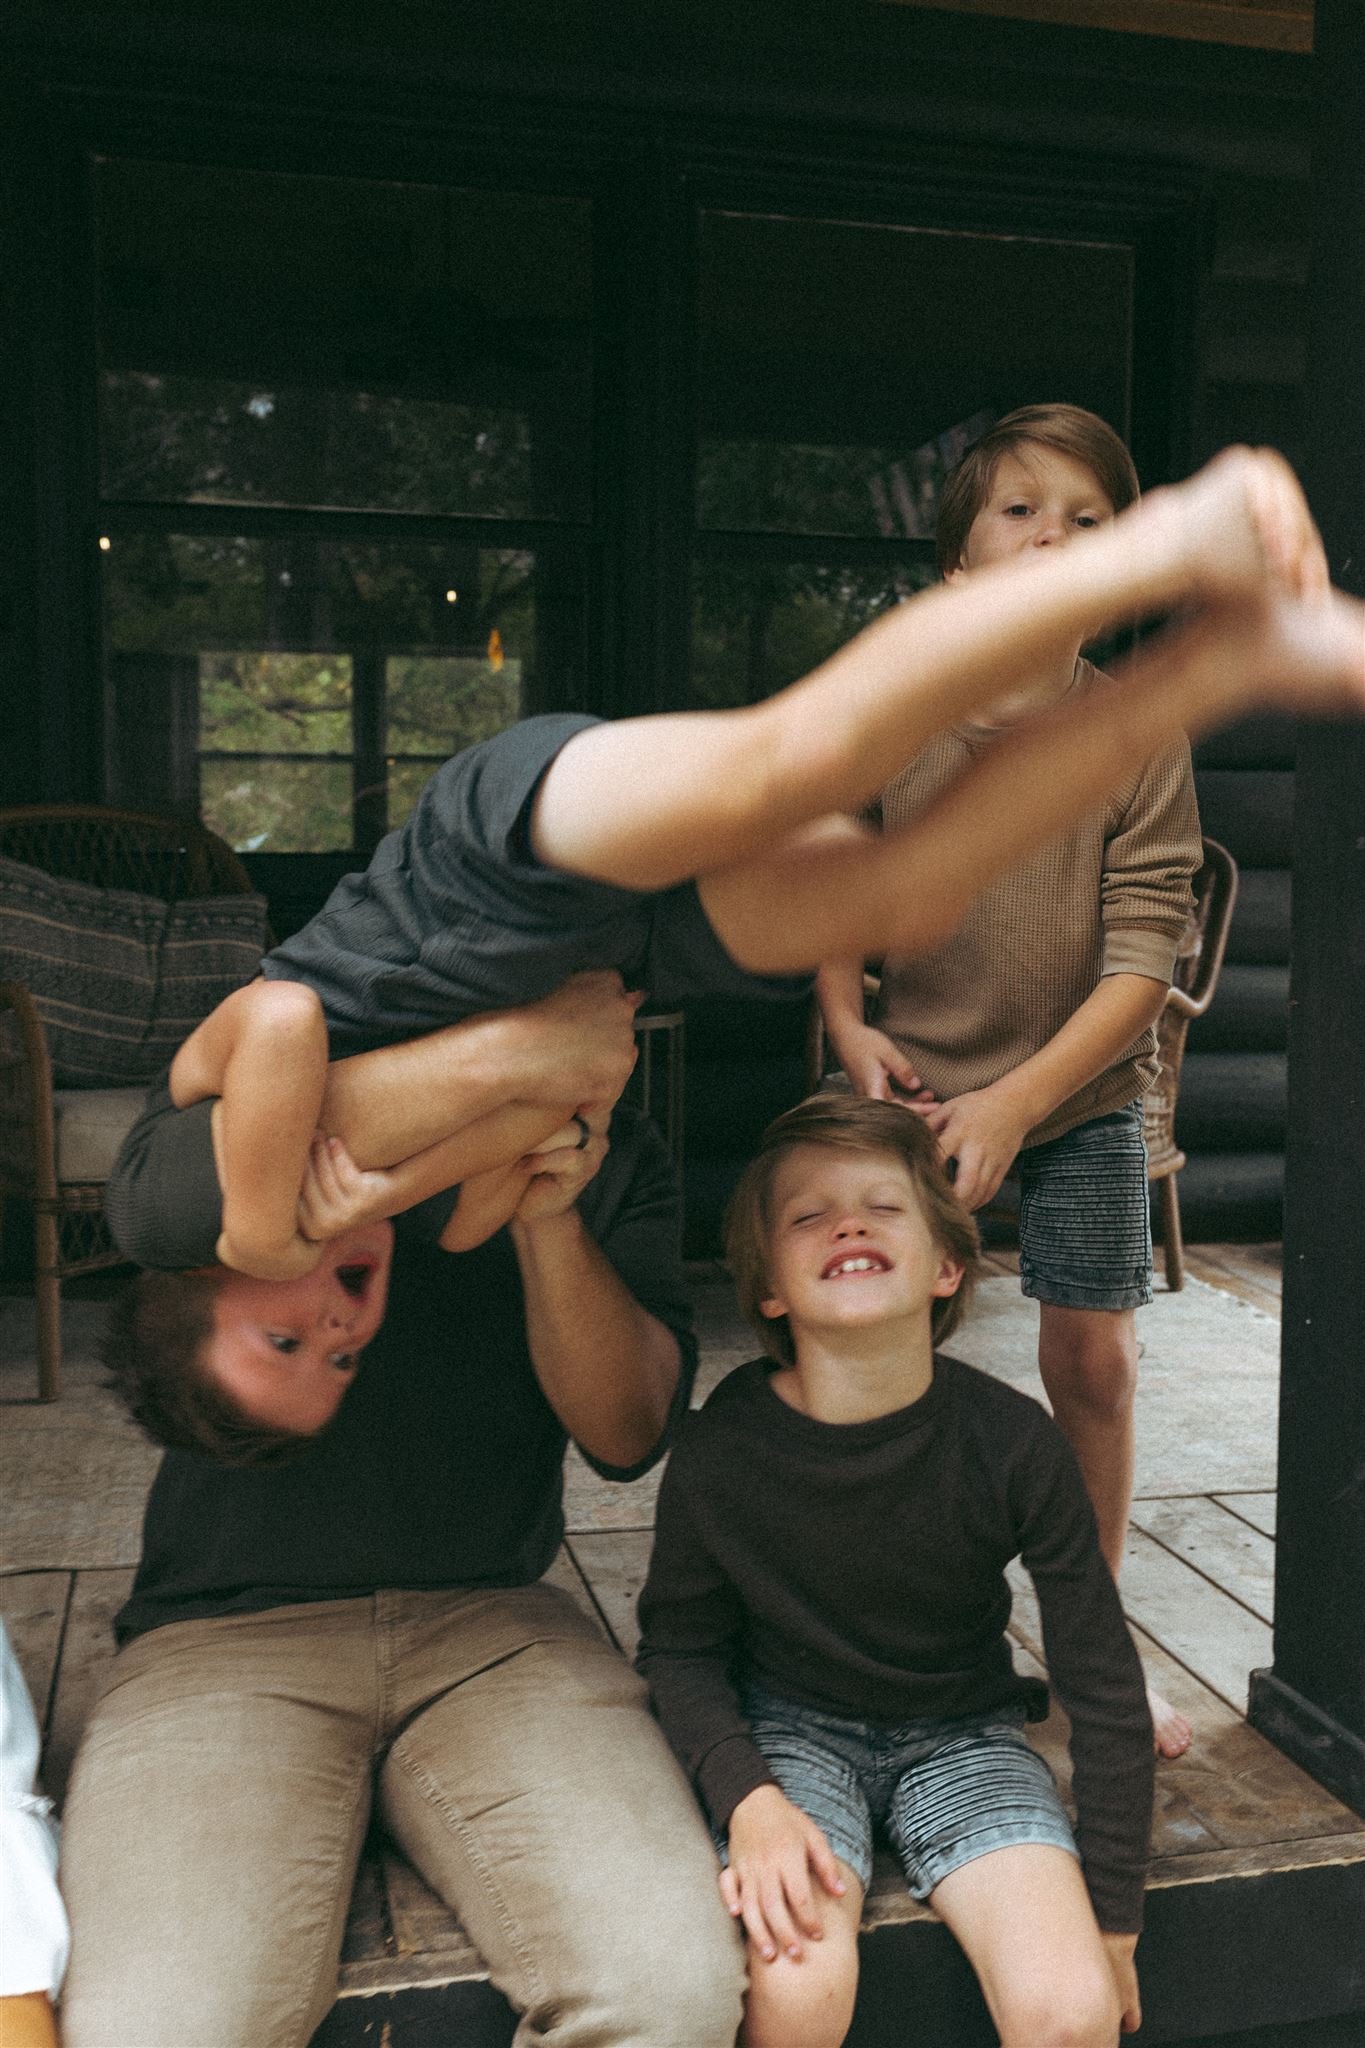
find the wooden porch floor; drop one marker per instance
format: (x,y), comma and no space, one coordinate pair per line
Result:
(1244,1841)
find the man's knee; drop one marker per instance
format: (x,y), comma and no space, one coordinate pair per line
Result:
(673,1974)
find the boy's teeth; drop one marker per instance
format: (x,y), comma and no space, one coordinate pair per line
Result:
(856,1266)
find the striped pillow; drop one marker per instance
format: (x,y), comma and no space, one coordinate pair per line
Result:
(120,979)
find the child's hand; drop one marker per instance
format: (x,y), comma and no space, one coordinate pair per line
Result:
(336,1195)
(774,1848)
(982,1131)
(1119,1949)
(876,1066)
(562,1176)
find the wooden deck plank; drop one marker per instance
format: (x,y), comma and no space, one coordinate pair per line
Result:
(1239,1559)
(35,1605)
(1256,1508)
(86,1654)
(1198,1624)
(615,1568)
(1249,1288)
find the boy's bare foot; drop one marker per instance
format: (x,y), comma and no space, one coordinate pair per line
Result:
(1172,1733)
(1238,528)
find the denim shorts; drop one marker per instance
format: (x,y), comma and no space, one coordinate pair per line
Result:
(942,1792)
(1085,1233)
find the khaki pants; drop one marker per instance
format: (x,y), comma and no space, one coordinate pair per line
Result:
(224,1787)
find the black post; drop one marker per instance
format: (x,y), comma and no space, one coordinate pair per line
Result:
(1312,1702)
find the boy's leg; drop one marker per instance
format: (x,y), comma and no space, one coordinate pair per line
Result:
(1086,1258)
(808,2003)
(1024,1918)
(831,892)
(575,1047)
(647,803)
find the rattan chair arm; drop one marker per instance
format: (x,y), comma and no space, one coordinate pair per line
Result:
(35,1088)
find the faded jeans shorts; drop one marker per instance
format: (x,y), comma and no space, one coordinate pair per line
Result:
(1085,1234)
(942,1792)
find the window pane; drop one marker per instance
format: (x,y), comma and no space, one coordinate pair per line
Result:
(262,679)
(895,347)
(277,806)
(274,340)
(757,627)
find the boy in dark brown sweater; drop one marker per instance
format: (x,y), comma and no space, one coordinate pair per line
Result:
(824,1618)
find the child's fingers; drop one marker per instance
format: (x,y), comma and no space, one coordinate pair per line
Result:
(825,1864)
(729,1890)
(755,1926)
(801,1900)
(777,1913)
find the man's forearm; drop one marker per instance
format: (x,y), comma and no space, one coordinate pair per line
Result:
(608,1368)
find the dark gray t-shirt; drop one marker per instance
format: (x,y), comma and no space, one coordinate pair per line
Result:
(455,915)
(443,1467)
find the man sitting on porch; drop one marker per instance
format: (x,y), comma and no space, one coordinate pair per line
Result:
(366,1626)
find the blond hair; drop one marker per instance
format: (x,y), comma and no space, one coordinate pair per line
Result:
(844,1123)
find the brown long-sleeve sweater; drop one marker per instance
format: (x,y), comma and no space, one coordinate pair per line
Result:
(860,1568)
(1110,897)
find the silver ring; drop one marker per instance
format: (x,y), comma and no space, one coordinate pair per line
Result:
(584,1134)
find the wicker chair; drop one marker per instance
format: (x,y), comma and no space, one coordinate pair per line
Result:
(1199,959)
(149,855)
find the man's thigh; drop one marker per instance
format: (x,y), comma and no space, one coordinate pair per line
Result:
(537,1796)
(212,1831)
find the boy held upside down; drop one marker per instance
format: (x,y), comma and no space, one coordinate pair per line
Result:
(706,853)
(823,1624)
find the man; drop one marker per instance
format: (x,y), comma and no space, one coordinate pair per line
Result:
(363,1624)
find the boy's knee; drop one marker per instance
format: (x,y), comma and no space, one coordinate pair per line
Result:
(1079,2011)
(805,2004)
(1090,1362)
(284,1013)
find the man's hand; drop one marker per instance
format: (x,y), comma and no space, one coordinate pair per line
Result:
(564,1169)
(336,1195)
(982,1131)
(774,1849)
(587,1031)
(876,1066)
(1119,1949)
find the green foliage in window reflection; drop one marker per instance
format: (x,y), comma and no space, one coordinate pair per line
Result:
(275,703)
(278,806)
(757,627)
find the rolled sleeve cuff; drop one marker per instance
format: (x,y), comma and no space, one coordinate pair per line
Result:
(1138,949)
(729,1772)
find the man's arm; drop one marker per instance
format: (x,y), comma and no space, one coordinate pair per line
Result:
(608,1368)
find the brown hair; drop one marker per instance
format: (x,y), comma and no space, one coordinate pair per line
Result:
(844,1123)
(1069,429)
(153,1349)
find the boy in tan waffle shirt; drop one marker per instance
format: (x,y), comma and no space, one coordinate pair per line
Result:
(1026,1040)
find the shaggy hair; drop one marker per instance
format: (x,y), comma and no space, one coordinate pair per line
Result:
(153,1348)
(845,1123)
(1068,429)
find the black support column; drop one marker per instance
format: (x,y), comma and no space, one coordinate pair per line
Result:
(1312,1701)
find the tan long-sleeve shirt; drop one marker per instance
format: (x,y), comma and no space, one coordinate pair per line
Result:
(1111,896)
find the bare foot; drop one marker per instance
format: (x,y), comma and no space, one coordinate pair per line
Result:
(1239,528)
(1172,1733)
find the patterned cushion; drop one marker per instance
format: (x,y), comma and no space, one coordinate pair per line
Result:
(119,979)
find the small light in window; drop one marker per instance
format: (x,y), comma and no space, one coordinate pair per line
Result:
(452,597)
(105,543)
(495,653)
(286,579)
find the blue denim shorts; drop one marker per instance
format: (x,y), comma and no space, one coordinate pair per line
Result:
(1085,1233)
(942,1792)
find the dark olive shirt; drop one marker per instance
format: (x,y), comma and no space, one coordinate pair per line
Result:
(443,1467)
(860,1568)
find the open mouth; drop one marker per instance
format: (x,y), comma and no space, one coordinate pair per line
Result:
(856,1263)
(355,1279)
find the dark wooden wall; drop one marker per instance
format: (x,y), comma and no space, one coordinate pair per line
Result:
(1221,133)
